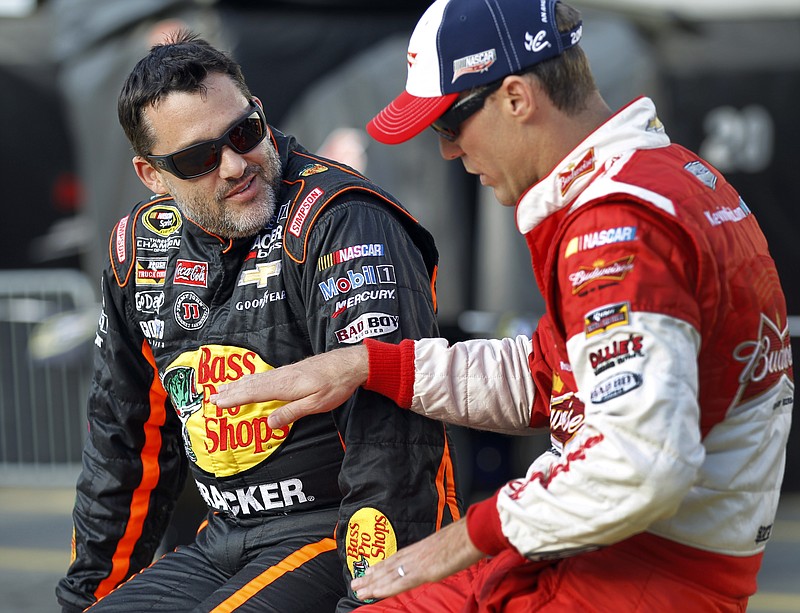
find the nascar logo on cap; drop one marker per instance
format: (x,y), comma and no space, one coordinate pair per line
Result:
(477,62)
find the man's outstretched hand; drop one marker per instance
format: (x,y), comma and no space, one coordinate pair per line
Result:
(315,385)
(435,557)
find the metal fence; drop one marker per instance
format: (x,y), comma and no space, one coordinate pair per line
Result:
(47,323)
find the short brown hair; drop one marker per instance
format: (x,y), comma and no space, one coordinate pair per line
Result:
(567,79)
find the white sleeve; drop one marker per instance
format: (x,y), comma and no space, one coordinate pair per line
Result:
(484,384)
(636,456)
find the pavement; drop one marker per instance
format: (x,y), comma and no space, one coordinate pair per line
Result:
(35,531)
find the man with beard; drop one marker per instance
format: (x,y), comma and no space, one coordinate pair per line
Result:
(253,253)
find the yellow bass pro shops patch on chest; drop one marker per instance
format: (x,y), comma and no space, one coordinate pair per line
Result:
(223,442)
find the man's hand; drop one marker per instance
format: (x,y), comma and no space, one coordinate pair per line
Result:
(440,555)
(315,385)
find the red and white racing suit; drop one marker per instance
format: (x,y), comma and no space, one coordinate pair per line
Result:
(663,370)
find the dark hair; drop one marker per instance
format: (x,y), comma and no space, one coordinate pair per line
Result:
(181,64)
(567,79)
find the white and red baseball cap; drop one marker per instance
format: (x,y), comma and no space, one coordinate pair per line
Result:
(461,44)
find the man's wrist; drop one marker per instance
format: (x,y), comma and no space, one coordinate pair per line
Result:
(391,370)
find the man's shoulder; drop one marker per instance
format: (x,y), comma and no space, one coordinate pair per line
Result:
(317,188)
(153,226)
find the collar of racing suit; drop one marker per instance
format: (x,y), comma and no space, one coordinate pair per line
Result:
(635,126)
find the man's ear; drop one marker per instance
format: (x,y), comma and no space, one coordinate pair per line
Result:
(520,96)
(149,175)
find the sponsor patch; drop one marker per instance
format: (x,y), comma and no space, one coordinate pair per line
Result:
(190,272)
(477,62)
(367,325)
(151,271)
(567,177)
(245,501)
(120,238)
(725,214)
(616,352)
(162,220)
(158,244)
(606,317)
(149,301)
(763,534)
(312,169)
(615,386)
(226,441)
(260,274)
(102,328)
(613,271)
(369,275)
(377,294)
(296,225)
(566,418)
(350,253)
(765,359)
(152,329)
(538,42)
(260,302)
(703,173)
(266,244)
(370,539)
(600,238)
(190,312)
(654,125)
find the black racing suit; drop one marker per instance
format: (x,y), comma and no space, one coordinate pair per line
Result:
(184,312)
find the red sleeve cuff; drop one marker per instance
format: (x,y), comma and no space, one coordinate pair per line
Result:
(391,370)
(484,529)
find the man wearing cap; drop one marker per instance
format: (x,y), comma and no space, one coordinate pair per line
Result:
(662,366)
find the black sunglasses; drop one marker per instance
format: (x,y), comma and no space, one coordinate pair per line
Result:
(200,159)
(447,125)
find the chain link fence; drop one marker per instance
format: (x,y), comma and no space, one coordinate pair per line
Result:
(47,326)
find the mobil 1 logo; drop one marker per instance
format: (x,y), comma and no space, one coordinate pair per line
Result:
(369,275)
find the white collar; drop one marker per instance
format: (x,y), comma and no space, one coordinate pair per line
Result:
(635,126)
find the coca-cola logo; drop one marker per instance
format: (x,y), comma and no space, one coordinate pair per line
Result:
(189,272)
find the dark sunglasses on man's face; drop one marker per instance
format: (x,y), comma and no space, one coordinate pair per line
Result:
(447,126)
(200,159)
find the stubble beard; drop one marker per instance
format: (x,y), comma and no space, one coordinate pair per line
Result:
(218,217)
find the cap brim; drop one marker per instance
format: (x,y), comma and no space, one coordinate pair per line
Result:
(407,116)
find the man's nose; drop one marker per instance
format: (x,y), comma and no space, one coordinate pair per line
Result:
(449,150)
(232,164)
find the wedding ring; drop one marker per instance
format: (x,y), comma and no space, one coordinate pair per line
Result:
(401,571)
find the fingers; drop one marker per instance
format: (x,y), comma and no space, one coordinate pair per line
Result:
(291,412)
(390,577)
(248,389)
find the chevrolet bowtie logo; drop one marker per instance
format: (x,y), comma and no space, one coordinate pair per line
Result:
(261,274)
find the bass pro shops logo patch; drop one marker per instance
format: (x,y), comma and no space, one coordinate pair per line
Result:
(222,442)
(370,539)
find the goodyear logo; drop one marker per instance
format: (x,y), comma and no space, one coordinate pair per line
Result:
(370,539)
(223,442)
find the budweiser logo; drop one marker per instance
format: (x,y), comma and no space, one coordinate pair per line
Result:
(765,359)
(613,271)
(574,172)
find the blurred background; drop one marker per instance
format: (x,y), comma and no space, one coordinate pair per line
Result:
(725,75)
